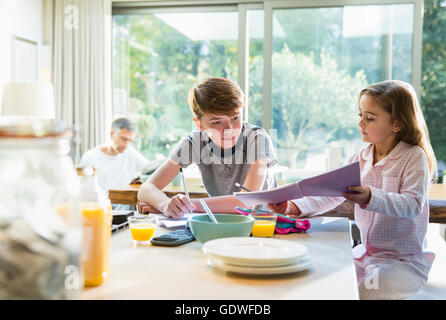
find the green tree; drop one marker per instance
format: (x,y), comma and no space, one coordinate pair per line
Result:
(312,103)
(433,82)
(157,65)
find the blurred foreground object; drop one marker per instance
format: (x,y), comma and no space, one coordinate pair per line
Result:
(40,219)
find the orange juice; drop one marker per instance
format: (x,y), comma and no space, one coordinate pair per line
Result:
(97,233)
(142,231)
(263,228)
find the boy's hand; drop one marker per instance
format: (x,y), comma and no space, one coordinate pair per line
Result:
(144,207)
(361,197)
(287,208)
(177,206)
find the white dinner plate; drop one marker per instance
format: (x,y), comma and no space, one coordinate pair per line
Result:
(259,263)
(253,251)
(218,264)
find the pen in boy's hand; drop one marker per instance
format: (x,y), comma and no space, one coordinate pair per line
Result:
(184,183)
(238,185)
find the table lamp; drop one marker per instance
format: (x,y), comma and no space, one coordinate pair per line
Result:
(28,100)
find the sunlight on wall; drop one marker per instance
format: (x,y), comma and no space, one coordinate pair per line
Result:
(6,7)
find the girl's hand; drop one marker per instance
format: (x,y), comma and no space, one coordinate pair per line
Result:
(287,208)
(361,197)
(177,206)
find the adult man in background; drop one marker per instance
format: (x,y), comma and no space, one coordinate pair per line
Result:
(117,163)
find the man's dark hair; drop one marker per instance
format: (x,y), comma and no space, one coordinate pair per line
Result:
(122,123)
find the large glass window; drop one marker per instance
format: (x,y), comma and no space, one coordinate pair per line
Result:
(255,93)
(321,59)
(433,81)
(157,58)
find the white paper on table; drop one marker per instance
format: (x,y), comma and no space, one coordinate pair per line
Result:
(175,223)
(172,224)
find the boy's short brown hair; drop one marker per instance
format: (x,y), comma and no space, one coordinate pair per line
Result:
(215,95)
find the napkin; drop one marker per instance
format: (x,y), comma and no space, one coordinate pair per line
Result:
(286,225)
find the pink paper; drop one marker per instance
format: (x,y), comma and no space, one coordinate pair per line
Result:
(331,184)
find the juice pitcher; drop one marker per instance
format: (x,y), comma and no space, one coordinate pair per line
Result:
(97,219)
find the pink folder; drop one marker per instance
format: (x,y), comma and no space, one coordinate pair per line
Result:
(331,184)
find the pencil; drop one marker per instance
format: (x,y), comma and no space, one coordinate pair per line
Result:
(240,186)
(184,183)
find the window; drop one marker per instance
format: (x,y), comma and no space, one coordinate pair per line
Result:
(255,96)
(433,82)
(321,59)
(304,70)
(157,58)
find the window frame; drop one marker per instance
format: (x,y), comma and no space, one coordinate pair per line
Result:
(270,5)
(243,6)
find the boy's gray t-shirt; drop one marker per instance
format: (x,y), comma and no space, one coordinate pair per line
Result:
(219,169)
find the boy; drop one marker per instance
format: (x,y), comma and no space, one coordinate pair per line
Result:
(225,149)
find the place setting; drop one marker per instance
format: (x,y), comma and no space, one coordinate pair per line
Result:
(256,255)
(260,254)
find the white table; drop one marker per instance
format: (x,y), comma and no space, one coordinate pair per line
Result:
(179,273)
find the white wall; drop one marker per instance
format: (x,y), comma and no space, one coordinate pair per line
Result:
(6,25)
(28,19)
(23,18)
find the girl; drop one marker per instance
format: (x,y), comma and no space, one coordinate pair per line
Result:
(391,205)
(226,150)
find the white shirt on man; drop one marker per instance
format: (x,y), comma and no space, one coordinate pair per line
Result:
(115,171)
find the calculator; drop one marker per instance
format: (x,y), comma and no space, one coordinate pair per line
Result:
(174,238)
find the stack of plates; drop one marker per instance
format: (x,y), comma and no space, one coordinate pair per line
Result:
(256,255)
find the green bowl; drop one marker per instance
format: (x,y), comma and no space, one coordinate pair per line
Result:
(229,225)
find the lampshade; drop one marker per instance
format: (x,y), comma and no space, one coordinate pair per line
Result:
(28,99)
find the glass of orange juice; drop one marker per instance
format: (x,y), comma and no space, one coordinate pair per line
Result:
(264,224)
(141,228)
